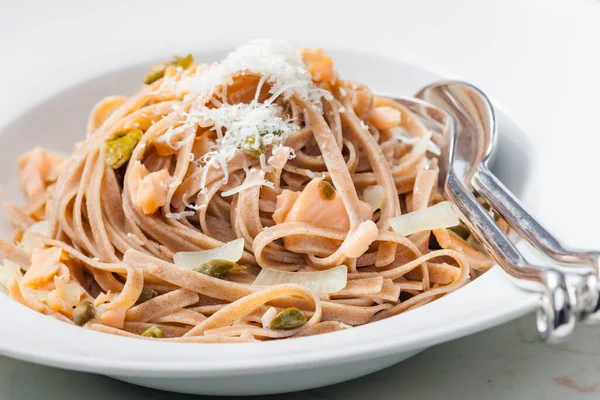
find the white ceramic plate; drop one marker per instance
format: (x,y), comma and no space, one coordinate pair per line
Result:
(258,368)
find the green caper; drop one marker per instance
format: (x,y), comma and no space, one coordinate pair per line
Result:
(119,147)
(153,332)
(145,295)
(156,72)
(461,231)
(219,268)
(184,62)
(252,148)
(83,313)
(288,319)
(326,190)
(278,132)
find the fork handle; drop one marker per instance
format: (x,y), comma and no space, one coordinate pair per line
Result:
(524,223)
(511,209)
(556,313)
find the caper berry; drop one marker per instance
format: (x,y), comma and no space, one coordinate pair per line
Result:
(153,332)
(119,147)
(145,295)
(83,313)
(326,190)
(288,319)
(184,62)
(252,148)
(219,268)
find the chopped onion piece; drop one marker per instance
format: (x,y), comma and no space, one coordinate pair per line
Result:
(9,270)
(320,282)
(41,295)
(268,317)
(246,185)
(441,215)
(231,251)
(30,243)
(432,147)
(374,196)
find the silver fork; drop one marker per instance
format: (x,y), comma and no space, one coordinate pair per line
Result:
(556,313)
(476,119)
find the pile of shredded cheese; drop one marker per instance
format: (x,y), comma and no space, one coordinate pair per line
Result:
(279,64)
(259,120)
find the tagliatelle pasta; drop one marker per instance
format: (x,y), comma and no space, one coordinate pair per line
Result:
(269,146)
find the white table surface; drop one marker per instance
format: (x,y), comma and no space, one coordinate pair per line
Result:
(540,59)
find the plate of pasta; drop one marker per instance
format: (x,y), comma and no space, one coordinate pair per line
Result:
(249,212)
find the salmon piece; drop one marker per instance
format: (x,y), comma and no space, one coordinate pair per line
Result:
(308,206)
(149,190)
(38,170)
(65,296)
(312,208)
(15,293)
(385,117)
(152,192)
(284,202)
(137,173)
(45,265)
(104,298)
(243,88)
(358,241)
(114,317)
(14,290)
(35,167)
(442,273)
(449,240)
(319,64)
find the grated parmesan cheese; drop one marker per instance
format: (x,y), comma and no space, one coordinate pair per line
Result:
(401,134)
(279,62)
(240,121)
(194,207)
(263,163)
(246,185)
(310,174)
(180,215)
(276,62)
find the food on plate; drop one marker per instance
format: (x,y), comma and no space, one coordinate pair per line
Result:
(260,197)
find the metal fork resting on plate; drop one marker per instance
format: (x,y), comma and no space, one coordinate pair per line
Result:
(464,117)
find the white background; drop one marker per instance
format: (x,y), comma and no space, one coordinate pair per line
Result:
(539,59)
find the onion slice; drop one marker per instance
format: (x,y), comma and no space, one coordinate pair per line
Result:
(320,282)
(374,196)
(268,317)
(441,215)
(7,271)
(231,251)
(31,243)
